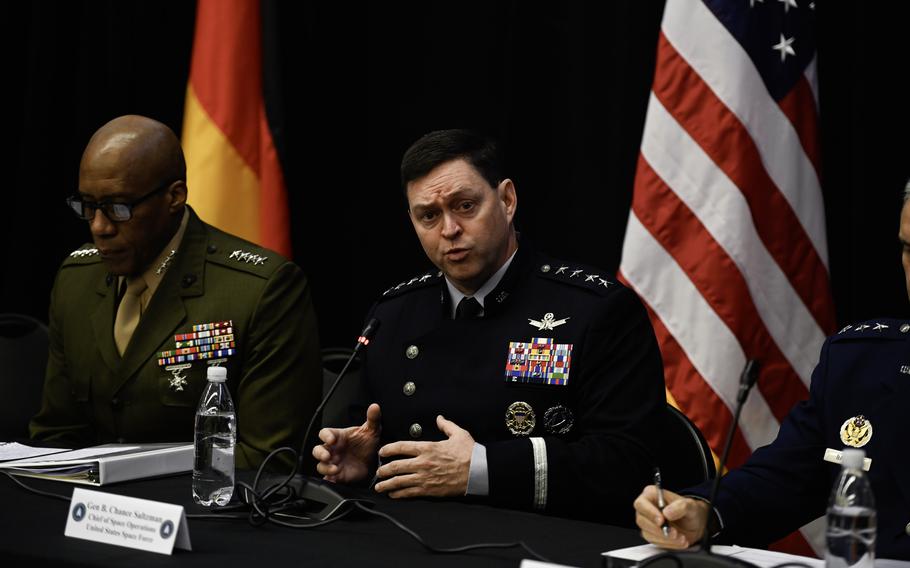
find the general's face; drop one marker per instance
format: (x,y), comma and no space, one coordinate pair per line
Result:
(904,235)
(464,224)
(127,247)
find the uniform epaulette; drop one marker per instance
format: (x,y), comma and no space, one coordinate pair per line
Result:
(244,256)
(86,254)
(578,275)
(871,329)
(420,281)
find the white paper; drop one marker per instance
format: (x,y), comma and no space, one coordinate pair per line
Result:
(761,558)
(528,563)
(17,451)
(70,455)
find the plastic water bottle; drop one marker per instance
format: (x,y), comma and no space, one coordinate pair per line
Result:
(216,434)
(851,516)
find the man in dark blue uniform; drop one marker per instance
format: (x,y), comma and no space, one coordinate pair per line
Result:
(859,396)
(535,383)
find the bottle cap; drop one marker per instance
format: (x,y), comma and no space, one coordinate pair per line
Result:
(853,458)
(216,374)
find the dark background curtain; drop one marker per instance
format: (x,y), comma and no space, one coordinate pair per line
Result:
(563,85)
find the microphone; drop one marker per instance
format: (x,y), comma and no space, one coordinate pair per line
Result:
(312,490)
(703,557)
(362,341)
(746,381)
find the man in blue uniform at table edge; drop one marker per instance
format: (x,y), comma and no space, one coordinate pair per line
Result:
(459,349)
(858,397)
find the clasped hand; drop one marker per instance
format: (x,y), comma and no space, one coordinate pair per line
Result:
(425,469)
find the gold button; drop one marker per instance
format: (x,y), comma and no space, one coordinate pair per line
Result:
(907,529)
(415,430)
(412,352)
(409,388)
(545,268)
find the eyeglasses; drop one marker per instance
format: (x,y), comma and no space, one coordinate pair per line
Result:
(115,211)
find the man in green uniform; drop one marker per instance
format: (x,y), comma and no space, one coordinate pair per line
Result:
(138,316)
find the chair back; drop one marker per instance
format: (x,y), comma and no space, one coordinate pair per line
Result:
(335,412)
(23,363)
(686,459)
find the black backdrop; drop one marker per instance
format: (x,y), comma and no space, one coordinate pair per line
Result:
(564,85)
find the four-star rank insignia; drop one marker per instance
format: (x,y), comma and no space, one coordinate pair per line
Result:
(538,361)
(548,322)
(520,418)
(856,431)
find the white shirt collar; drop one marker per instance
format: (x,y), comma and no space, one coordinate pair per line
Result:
(481,293)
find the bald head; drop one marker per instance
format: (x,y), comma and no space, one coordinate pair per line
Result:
(138,148)
(138,162)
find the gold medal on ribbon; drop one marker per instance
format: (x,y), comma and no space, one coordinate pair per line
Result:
(520,418)
(856,431)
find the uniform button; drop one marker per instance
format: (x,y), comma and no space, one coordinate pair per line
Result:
(115,402)
(412,352)
(212,249)
(415,430)
(907,529)
(545,268)
(905,328)
(409,388)
(188,280)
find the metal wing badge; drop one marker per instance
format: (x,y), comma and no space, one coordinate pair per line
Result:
(548,322)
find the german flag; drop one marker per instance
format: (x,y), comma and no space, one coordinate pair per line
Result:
(233,169)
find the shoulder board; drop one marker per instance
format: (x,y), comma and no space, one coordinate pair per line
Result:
(577,275)
(417,282)
(875,329)
(243,256)
(86,254)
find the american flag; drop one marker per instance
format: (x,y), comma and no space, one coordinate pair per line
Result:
(726,236)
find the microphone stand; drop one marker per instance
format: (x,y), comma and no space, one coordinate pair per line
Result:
(313,490)
(703,557)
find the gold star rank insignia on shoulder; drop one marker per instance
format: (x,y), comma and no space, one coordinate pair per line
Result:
(856,431)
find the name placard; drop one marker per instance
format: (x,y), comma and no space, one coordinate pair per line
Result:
(127,521)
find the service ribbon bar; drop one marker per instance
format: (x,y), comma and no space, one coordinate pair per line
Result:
(204,341)
(204,334)
(195,357)
(199,349)
(211,326)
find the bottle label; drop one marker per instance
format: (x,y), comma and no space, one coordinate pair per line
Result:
(835,456)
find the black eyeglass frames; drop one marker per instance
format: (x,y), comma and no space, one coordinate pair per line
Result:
(115,211)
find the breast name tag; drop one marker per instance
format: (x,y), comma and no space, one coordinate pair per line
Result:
(835,456)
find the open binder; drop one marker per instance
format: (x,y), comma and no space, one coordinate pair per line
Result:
(110,463)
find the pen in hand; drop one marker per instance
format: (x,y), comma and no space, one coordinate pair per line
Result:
(665,527)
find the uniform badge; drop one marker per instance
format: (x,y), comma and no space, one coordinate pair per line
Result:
(163,266)
(558,420)
(177,380)
(548,322)
(520,418)
(247,257)
(538,361)
(856,431)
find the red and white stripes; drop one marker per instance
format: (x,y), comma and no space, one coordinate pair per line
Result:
(726,236)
